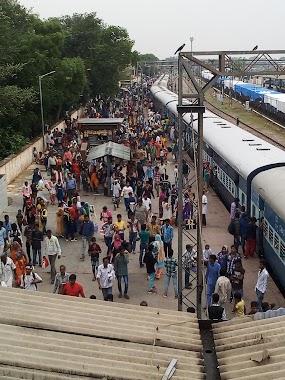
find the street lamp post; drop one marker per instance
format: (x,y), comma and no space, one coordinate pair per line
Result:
(191,41)
(42,108)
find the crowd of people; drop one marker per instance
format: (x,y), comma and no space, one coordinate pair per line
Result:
(134,185)
(137,225)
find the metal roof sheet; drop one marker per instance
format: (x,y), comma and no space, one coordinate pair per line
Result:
(109,149)
(60,336)
(249,349)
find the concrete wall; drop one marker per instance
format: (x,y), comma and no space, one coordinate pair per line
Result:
(3,193)
(14,164)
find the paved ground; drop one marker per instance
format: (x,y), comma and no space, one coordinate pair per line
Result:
(214,234)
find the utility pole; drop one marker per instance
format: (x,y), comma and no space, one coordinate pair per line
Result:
(180,185)
(191,41)
(42,107)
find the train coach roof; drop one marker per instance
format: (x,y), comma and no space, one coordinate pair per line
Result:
(242,150)
(271,187)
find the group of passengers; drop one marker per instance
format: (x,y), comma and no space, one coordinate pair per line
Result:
(145,132)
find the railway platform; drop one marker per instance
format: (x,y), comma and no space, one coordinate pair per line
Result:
(215,234)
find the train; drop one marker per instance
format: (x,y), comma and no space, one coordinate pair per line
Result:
(246,167)
(263,99)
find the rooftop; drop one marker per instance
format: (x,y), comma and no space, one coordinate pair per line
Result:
(249,349)
(100,121)
(58,337)
(109,149)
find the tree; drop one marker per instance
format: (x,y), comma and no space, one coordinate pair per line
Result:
(69,83)
(149,70)
(147,57)
(14,98)
(106,50)
(88,58)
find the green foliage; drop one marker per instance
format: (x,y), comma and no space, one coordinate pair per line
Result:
(88,58)
(147,57)
(10,142)
(106,50)
(149,70)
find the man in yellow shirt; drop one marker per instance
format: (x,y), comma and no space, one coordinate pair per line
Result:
(153,228)
(120,226)
(239,306)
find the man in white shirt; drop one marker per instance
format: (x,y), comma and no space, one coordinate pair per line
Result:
(116,188)
(204,208)
(52,249)
(125,193)
(147,203)
(29,280)
(207,252)
(26,192)
(162,170)
(106,277)
(261,284)
(49,138)
(52,161)
(7,271)
(223,288)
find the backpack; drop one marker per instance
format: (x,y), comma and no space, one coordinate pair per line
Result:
(34,277)
(231,227)
(66,215)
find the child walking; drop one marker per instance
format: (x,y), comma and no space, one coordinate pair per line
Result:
(94,251)
(150,262)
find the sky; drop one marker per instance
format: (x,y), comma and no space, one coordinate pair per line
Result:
(160,26)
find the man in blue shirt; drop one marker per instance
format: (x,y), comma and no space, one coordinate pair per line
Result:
(7,224)
(167,233)
(244,222)
(149,173)
(87,232)
(212,274)
(71,186)
(2,237)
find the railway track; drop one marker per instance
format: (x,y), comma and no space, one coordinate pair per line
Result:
(246,127)
(243,125)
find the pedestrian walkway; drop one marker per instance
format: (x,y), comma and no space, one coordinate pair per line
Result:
(215,234)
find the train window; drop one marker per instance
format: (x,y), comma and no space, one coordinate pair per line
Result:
(270,235)
(282,249)
(242,199)
(253,210)
(265,228)
(276,242)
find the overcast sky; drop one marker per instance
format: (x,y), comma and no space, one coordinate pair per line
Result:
(160,26)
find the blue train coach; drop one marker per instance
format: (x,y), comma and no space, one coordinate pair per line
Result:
(246,167)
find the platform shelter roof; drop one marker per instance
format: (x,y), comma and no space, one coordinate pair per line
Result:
(109,149)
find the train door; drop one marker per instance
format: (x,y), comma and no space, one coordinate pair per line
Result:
(254,210)
(254,207)
(259,237)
